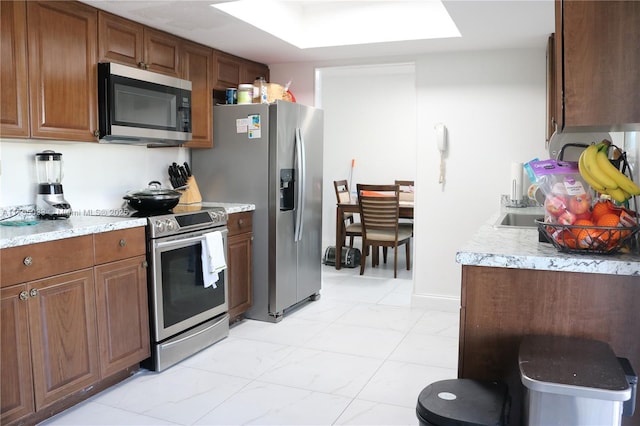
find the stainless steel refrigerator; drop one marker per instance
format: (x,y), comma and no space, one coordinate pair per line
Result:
(270,155)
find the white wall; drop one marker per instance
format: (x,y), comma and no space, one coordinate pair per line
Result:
(96,176)
(493,104)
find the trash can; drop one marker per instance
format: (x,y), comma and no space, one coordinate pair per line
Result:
(571,381)
(463,402)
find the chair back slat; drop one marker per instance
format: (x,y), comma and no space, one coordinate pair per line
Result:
(379,211)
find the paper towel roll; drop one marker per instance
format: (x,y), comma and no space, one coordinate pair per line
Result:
(515,184)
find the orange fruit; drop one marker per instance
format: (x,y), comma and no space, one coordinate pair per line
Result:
(566,239)
(608,219)
(601,208)
(583,232)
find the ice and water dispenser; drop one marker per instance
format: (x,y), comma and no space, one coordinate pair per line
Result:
(287,189)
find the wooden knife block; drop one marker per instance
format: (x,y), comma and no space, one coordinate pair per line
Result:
(191,194)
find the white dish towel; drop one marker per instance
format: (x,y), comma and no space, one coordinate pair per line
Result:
(213,260)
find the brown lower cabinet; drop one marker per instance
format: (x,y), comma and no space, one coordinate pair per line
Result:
(239,263)
(501,305)
(67,336)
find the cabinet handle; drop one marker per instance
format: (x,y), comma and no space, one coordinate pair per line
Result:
(96,133)
(28,261)
(23,295)
(123,242)
(33,292)
(145,264)
(240,222)
(141,65)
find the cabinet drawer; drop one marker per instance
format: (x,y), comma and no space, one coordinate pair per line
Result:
(120,244)
(239,223)
(34,261)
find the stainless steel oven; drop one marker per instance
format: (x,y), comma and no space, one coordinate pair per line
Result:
(185,315)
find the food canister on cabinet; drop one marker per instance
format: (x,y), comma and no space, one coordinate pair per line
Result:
(245,93)
(232,95)
(260,95)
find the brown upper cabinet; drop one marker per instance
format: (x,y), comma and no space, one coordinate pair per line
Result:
(251,70)
(14,98)
(597,57)
(231,70)
(55,82)
(48,68)
(130,43)
(197,66)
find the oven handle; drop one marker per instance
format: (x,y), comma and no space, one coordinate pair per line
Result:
(191,336)
(181,241)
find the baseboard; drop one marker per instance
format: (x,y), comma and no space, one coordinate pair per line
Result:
(435,302)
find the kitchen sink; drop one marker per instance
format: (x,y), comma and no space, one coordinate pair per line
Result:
(517,220)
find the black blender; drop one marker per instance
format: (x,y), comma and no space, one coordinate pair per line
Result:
(50,202)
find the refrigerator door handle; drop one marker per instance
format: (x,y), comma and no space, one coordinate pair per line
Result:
(300,157)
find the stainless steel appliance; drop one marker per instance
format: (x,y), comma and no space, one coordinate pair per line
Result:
(142,107)
(270,155)
(185,315)
(50,201)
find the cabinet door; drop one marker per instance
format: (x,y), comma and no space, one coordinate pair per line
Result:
(119,40)
(227,71)
(551,89)
(16,382)
(161,52)
(14,97)
(239,269)
(62,326)
(601,41)
(122,314)
(62,70)
(197,62)
(251,70)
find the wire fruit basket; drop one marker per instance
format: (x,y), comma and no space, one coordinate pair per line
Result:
(588,239)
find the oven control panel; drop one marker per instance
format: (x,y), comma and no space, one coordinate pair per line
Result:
(178,223)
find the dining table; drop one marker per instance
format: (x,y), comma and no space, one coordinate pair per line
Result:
(405,212)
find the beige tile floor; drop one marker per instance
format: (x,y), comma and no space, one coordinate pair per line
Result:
(358,356)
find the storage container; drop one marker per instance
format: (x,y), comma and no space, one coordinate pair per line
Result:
(571,381)
(245,93)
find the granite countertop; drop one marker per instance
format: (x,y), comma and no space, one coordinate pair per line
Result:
(230,207)
(49,230)
(520,248)
(76,225)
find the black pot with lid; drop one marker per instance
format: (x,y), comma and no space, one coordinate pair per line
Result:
(154,198)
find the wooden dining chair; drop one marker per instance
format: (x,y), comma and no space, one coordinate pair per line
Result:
(379,213)
(351,227)
(406,189)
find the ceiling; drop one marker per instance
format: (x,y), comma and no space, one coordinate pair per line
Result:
(483,24)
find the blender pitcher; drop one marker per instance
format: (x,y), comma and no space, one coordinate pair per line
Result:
(50,202)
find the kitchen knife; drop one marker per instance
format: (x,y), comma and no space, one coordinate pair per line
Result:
(187,168)
(183,174)
(172,178)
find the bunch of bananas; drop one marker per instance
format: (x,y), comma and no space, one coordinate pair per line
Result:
(596,169)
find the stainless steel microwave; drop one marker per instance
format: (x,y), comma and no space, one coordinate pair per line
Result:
(142,107)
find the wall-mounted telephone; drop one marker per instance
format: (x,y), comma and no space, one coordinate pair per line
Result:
(441,141)
(441,137)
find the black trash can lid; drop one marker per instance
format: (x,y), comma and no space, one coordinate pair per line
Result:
(463,402)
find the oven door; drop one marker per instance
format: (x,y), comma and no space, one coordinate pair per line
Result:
(178,297)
